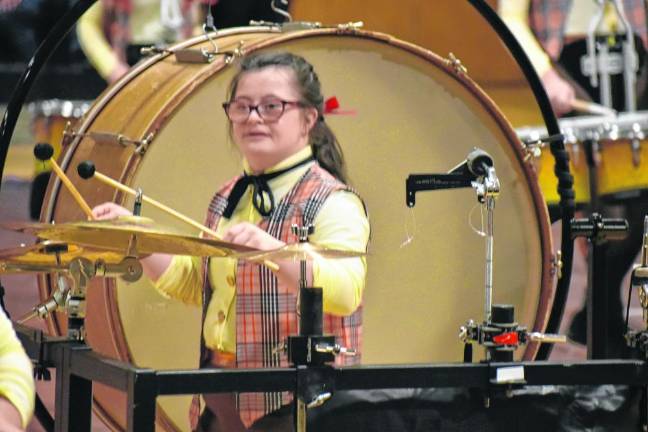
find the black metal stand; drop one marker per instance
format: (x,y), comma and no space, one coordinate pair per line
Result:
(598,231)
(78,367)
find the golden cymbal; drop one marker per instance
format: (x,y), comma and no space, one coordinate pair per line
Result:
(49,256)
(300,252)
(118,235)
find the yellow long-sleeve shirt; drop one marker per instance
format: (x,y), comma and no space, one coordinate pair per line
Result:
(16,378)
(340,224)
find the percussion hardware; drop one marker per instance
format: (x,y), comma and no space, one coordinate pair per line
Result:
(310,348)
(636,135)
(44,152)
(456,64)
(56,301)
(288,26)
(107,138)
(192,55)
(474,172)
(319,400)
(535,142)
(137,205)
(335,350)
(501,336)
(73,298)
(598,230)
(557,264)
(605,64)
(351,26)
(279,11)
(59,108)
(152,50)
(87,170)
(639,280)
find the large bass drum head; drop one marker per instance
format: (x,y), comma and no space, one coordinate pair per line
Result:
(403,110)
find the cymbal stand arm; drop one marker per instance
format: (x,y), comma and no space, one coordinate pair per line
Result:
(81,270)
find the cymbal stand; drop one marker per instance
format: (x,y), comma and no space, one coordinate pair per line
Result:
(71,297)
(638,339)
(311,348)
(499,332)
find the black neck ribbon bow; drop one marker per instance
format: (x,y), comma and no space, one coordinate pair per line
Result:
(260,190)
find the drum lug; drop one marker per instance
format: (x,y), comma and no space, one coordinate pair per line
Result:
(351,26)
(556,264)
(456,64)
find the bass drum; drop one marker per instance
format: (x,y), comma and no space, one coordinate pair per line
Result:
(402,110)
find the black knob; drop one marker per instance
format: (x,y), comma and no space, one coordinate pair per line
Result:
(43,151)
(86,169)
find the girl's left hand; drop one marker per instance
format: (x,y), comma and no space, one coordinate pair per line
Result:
(248,234)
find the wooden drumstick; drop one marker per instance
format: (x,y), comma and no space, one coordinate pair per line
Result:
(45,152)
(87,170)
(592,108)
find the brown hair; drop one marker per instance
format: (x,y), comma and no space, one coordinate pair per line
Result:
(325,146)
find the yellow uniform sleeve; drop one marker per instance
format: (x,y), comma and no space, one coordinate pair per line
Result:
(16,376)
(182,280)
(515,13)
(93,41)
(341,224)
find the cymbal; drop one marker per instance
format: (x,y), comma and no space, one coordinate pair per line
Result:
(303,251)
(117,234)
(49,256)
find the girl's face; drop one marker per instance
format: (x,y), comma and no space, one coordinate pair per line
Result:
(266,142)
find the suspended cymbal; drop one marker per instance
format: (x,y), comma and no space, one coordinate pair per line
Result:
(300,252)
(49,256)
(118,234)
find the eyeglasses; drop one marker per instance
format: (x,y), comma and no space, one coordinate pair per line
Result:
(272,110)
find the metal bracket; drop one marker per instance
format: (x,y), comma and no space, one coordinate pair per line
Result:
(456,64)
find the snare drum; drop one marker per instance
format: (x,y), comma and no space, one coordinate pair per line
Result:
(621,151)
(402,110)
(620,155)
(49,119)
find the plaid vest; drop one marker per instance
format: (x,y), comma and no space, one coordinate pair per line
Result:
(265,310)
(116,23)
(547,19)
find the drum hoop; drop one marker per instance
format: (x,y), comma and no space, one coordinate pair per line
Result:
(546,291)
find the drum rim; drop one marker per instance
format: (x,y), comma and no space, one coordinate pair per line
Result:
(274,37)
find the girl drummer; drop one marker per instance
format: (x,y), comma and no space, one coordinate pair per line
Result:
(294,174)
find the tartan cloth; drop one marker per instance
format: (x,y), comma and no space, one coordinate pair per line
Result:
(547,19)
(266,312)
(116,22)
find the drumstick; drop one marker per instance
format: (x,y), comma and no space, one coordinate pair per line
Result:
(44,152)
(87,169)
(592,108)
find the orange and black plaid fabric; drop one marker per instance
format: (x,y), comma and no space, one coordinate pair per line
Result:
(266,311)
(547,19)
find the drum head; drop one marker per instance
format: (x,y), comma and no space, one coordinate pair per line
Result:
(405,111)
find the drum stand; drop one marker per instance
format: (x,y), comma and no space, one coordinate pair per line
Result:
(498,332)
(311,350)
(598,230)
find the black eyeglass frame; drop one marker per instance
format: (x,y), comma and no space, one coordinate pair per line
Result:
(284,104)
